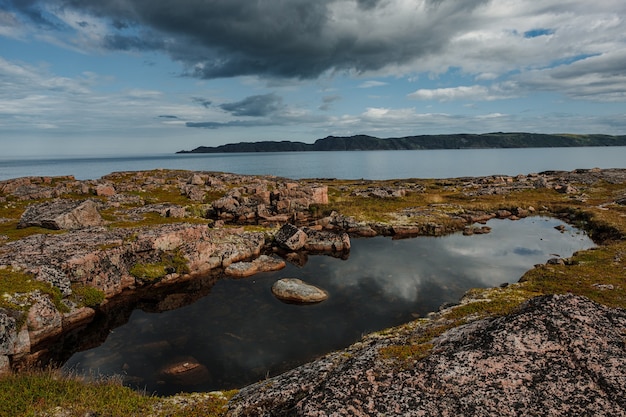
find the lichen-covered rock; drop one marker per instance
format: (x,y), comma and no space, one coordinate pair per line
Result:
(557,356)
(62,214)
(290,237)
(43,320)
(323,241)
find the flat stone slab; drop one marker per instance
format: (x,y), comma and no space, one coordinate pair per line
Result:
(263,263)
(294,290)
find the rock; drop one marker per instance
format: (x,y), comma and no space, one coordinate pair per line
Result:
(263,263)
(555,261)
(5,365)
(196,179)
(323,241)
(557,356)
(8,334)
(105,190)
(62,214)
(503,214)
(290,237)
(43,320)
(56,278)
(473,230)
(293,290)
(185,371)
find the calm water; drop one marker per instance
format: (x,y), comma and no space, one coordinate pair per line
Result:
(345,165)
(242,334)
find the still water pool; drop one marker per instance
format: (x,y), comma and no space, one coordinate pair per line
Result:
(240,333)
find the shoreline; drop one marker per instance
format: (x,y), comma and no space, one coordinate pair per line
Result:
(162,228)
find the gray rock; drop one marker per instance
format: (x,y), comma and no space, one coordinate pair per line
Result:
(294,290)
(62,214)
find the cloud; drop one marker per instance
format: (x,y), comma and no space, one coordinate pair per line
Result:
(256,106)
(327,101)
(598,77)
(472,93)
(301,39)
(371,84)
(232,123)
(297,39)
(202,101)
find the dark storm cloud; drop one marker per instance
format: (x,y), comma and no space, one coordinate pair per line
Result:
(276,38)
(256,106)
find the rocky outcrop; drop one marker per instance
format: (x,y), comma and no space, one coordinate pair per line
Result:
(555,356)
(104,259)
(62,214)
(269,203)
(294,290)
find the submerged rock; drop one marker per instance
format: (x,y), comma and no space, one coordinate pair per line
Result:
(294,290)
(185,371)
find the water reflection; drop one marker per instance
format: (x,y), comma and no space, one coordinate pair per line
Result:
(240,333)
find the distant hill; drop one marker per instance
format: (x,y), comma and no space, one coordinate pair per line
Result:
(454,141)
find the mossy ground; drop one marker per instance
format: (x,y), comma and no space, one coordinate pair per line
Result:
(40,393)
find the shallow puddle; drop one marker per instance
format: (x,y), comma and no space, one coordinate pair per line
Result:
(239,333)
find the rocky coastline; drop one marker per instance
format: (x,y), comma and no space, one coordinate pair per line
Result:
(94,244)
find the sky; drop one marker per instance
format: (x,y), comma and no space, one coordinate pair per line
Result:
(139,76)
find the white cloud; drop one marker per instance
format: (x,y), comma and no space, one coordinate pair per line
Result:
(372,84)
(472,93)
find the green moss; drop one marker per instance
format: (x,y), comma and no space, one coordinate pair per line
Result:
(170,262)
(17,282)
(87,296)
(406,354)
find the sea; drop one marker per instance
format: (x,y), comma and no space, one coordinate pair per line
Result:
(373,165)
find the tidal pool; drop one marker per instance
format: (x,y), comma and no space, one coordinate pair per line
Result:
(241,334)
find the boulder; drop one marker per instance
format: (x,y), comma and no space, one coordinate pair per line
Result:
(105,190)
(294,290)
(263,263)
(62,214)
(290,237)
(323,241)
